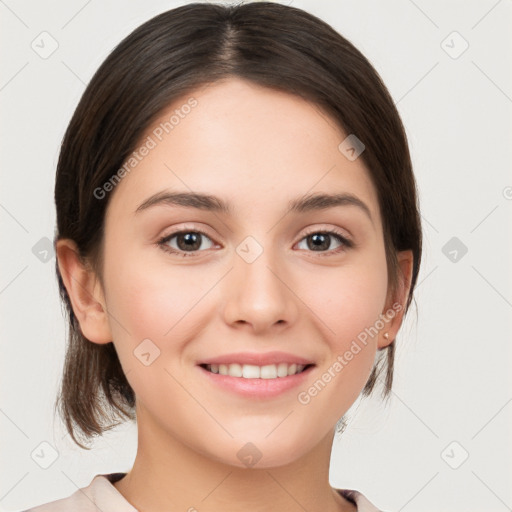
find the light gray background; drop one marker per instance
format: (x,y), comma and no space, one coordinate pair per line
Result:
(452,380)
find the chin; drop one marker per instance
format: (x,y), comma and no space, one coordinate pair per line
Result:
(260,453)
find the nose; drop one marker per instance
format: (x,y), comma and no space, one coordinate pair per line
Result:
(260,295)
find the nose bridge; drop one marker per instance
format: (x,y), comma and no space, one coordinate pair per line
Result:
(257,292)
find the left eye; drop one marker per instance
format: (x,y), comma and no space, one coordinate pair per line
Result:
(320,240)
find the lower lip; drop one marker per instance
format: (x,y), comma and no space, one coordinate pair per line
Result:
(257,388)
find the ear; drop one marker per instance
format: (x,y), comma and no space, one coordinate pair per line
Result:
(85,293)
(395,304)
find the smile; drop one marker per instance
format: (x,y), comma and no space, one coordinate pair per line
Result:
(250,371)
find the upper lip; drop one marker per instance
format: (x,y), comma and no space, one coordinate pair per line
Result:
(258,359)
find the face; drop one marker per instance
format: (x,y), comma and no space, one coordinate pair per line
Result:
(258,291)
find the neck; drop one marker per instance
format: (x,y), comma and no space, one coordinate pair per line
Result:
(168,475)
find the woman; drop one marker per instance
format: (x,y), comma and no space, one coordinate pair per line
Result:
(238,240)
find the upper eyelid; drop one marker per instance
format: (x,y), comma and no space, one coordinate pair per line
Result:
(330,230)
(187,229)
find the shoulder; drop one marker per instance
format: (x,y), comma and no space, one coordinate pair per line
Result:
(362,503)
(100,494)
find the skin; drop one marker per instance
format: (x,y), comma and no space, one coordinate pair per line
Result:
(258,149)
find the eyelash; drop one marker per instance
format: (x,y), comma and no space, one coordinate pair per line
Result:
(346,244)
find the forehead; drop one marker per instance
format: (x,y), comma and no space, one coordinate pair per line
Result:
(246,143)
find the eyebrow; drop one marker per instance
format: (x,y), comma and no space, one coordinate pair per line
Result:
(308,203)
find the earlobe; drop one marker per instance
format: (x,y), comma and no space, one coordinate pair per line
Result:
(395,306)
(85,293)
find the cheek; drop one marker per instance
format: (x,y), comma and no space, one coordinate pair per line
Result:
(348,303)
(152,311)
(150,301)
(349,299)
(150,292)
(354,302)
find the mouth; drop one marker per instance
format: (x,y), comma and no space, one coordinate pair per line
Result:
(251,371)
(255,376)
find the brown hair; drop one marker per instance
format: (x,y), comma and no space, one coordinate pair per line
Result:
(270,44)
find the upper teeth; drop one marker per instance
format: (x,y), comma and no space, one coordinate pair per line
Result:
(249,371)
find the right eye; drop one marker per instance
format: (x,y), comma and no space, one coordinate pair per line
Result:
(187,242)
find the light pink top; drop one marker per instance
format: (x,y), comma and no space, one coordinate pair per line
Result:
(101,496)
